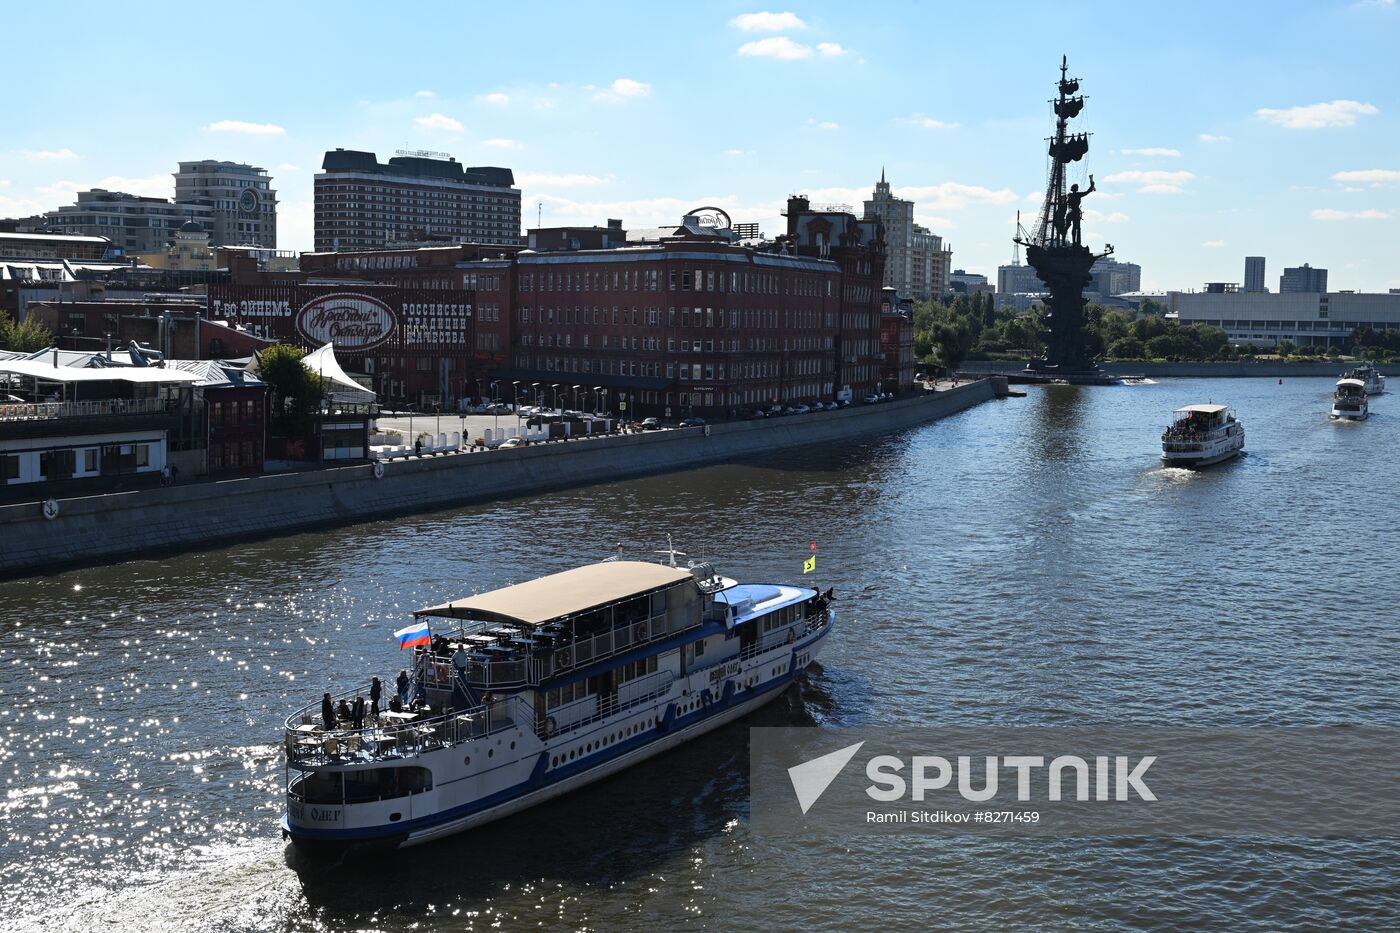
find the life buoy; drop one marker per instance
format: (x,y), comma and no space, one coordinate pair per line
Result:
(639,631)
(378,470)
(564,659)
(550,727)
(51,509)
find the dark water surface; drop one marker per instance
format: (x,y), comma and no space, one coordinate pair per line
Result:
(1027,562)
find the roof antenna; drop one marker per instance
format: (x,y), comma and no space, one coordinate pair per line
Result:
(671,551)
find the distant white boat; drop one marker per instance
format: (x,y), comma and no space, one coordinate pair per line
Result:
(1203,435)
(1349,401)
(1370,377)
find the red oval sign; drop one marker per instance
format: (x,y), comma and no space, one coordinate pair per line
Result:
(349,320)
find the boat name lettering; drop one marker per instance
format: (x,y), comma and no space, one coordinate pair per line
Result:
(324,815)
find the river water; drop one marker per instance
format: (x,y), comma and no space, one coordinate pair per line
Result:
(1028,562)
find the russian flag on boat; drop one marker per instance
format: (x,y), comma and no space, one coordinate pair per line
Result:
(413,636)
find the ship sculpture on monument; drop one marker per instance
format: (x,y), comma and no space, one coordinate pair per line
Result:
(1055,250)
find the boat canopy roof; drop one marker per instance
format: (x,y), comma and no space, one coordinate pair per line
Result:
(563,594)
(1348,381)
(1203,409)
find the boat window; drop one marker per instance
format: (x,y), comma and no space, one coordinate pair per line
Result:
(317,787)
(635,669)
(658,602)
(566,694)
(632,611)
(386,783)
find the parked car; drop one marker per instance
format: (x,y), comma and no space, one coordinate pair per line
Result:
(651,424)
(515,442)
(871,399)
(693,422)
(755,415)
(831,406)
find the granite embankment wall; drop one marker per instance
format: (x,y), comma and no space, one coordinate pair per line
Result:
(95,529)
(1267,368)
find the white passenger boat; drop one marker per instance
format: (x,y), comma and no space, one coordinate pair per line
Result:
(1349,400)
(534,690)
(1202,435)
(1370,377)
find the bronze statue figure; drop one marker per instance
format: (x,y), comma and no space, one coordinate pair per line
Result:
(1075,214)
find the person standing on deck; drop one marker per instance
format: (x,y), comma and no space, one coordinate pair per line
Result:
(358,716)
(376,690)
(327,712)
(403,688)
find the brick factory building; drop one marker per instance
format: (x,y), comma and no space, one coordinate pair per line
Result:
(417,344)
(361,203)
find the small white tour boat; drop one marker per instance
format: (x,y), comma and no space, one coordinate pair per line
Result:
(528,692)
(1370,377)
(1202,435)
(1349,401)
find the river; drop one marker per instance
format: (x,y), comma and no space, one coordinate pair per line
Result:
(1027,562)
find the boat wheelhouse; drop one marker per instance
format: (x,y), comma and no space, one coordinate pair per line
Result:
(1202,435)
(1369,376)
(1349,401)
(528,692)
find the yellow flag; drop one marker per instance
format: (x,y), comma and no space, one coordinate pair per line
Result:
(809,564)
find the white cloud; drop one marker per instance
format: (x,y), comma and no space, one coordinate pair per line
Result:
(928,123)
(1328,213)
(153,186)
(1375,176)
(767,22)
(1153,152)
(823,124)
(779,47)
(438,121)
(422,93)
(551,180)
(831,49)
(735,153)
(496,98)
(48,155)
(622,88)
(246,129)
(1153,182)
(503,143)
(1116,217)
(1316,116)
(1211,138)
(1214,244)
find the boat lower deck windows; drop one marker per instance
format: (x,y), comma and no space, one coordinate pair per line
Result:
(385,783)
(562,696)
(634,669)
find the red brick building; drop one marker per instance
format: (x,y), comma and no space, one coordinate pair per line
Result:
(418,344)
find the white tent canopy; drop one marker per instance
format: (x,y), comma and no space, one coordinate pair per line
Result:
(323,363)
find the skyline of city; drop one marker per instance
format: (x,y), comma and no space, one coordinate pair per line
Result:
(812,101)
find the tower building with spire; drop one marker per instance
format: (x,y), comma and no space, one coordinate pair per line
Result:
(916,263)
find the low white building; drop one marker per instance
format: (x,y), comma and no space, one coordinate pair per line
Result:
(1305,319)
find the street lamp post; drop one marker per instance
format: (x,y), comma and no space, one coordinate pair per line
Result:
(554,390)
(535,394)
(515,402)
(576,388)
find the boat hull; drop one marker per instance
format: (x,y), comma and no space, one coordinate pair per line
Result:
(1343,414)
(677,730)
(1200,461)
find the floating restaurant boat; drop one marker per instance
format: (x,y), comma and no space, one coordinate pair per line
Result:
(1201,436)
(534,690)
(1370,377)
(1349,400)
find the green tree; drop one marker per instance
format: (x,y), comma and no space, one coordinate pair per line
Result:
(1126,348)
(23,338)
(296,390)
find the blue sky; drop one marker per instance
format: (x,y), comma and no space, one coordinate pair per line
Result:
(1222,129)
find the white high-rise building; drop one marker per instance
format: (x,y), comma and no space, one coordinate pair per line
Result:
(916,261)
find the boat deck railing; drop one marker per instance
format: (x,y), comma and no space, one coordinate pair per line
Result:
(644,690)
(390,735)
(532,666)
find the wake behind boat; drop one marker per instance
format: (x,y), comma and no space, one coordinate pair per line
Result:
(1203,435)
(1349,400)
(542,688)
